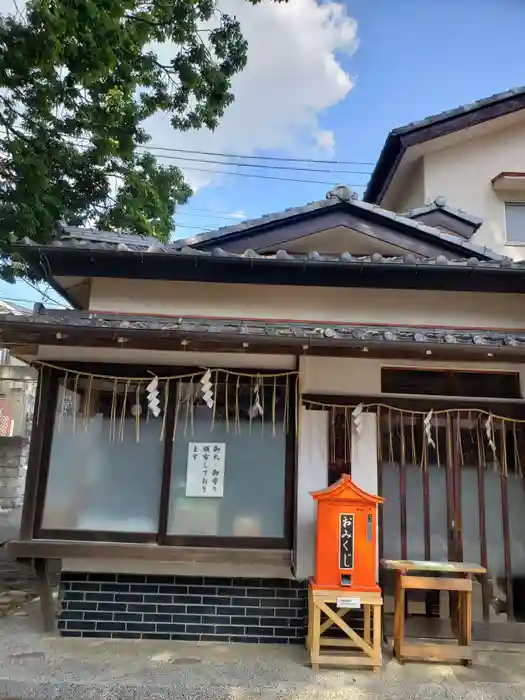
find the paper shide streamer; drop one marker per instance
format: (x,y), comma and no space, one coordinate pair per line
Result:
(403,435)
(222,391)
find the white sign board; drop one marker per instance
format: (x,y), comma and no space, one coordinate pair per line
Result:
(350,603)
(205,472)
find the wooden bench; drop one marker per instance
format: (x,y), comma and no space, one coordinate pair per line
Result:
(457,581)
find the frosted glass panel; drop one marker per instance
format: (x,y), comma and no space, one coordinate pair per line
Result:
(252,504)
(106,466)
(391,511)
(415,516)
(438,512)
(516,499)
(470,514)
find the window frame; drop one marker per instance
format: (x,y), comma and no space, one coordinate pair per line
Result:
(508,239)
(451,380)
(45,420)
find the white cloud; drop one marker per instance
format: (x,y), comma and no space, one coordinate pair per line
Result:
(293,75)
(325,140)
(238,214)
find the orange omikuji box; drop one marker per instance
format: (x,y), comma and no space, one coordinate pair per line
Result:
(346,551)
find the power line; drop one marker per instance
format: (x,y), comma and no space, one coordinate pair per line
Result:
(24,301)
(210,216)
(213,211)
(253,157)
(43,294)
(190,226)
(259,165)
(254,175)
(246,156)
(268,177)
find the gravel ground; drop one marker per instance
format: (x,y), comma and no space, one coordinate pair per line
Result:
(33,665)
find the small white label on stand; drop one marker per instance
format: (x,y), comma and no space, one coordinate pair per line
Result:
(351,603)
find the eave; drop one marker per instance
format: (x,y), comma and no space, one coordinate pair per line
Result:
(448,122)
(376,271)
(247,336)
(509,182)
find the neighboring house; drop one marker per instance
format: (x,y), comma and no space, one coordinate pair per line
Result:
(264,337)
(17,396)
(468,164)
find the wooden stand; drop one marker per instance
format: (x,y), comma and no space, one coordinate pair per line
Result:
(354,649)
(460,584)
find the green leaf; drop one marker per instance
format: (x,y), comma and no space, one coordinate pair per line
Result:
(78,79)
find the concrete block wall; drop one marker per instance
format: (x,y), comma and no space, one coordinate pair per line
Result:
(14,453)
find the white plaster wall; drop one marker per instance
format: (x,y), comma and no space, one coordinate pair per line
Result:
(463,172)
(312,475)
(321,304)
(364,461)
(413,193)
(364,453)
(224,360)
(340,376)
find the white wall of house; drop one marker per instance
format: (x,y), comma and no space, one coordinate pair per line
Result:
(321,304)
(460,167)
(412,194)
(463,174)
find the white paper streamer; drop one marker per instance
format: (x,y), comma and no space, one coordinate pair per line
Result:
(489,430)
(427,422)
(357,418)
(206,388)
(153,397)
(256,408)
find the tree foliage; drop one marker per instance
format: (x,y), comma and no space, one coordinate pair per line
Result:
(78,80)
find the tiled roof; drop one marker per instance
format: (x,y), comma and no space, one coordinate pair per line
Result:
(484,109)
(462,109)
(304,333)
(250,256)
(7,307)
(440,204)
(69,235)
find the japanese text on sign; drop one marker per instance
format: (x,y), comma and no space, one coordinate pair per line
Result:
(346,541)
(205,472)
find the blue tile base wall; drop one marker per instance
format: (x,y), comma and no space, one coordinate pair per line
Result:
(264,611)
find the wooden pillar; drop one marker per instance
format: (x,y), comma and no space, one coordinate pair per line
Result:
(43,417)
(45,591)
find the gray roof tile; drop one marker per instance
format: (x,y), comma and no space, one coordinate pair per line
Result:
(281,256)
(334,198)
(440,204)
(462,109)
(314,334)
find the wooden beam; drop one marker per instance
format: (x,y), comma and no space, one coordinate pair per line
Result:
(437,652)
(428,583)
(70,549)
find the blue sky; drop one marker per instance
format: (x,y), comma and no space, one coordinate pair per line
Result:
(414,58)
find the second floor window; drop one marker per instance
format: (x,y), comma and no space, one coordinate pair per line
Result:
(515,223)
